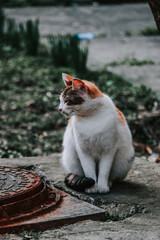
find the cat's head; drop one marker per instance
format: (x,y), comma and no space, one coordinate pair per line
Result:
(80,97)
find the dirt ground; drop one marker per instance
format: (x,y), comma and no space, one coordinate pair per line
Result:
(109,23)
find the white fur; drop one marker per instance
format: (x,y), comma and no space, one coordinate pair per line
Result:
(94,137)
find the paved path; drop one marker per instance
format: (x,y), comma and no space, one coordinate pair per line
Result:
(136,200)
(113,21)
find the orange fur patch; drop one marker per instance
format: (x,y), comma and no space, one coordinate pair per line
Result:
(93,91)
(69,78)
(70,121)
(72,178)
(122,119)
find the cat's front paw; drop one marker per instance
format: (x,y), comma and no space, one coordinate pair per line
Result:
(103,189)
(92,189)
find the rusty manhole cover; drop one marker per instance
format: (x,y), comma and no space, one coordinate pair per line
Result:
(28,203)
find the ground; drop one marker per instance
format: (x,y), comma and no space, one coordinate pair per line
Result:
(132,207)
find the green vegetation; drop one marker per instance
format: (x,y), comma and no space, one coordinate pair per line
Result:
(149,31)
(128,33)
(29,234)
(20,37)
(67,52)
(114,217)
(130,61)
(29,97)
(30,36)
(31,83)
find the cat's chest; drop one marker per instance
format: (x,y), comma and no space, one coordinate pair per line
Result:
(94,139)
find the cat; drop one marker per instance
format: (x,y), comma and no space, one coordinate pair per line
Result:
(97,142)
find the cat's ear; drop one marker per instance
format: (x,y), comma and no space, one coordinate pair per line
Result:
(67,79)
(78,85)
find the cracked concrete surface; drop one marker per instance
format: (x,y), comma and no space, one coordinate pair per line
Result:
(133,204)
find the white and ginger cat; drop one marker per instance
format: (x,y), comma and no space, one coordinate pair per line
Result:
(97,142)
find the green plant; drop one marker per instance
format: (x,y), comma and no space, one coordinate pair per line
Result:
(79,54)
(130,61)
(30,36)
(12,35)
(23,36)
(7,153)
(128,33)
(149,31)
(114,217)
(67,51)
(30,122)
(9,34)
(2,21)
(29,234)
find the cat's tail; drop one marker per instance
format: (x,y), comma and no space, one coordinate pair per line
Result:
(78,183)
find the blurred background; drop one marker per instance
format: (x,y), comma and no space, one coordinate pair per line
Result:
(113,43)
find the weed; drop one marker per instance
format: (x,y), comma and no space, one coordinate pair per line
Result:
(130,61)
(67,51)
(12,35)
(2,21)
(8,153)
(149,31)
(28,234)
(128,33)
(30,124)
(30,36)
(23,36)
(114,217)
(29,99)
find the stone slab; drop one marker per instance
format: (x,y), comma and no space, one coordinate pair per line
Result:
(68,211)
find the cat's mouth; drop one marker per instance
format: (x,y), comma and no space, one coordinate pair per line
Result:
(68,114)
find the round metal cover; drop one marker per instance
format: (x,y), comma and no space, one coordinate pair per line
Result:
(29,203)
(23,195)
(17,184)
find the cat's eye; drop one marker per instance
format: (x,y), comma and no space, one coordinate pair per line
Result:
(68,102)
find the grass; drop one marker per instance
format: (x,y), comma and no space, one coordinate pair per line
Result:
(31,83)
(114,217)
(24,36)
(30,235)
(146,32)
(130,61)
(67,51)
(128,33)
(149,31)
(30,123)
